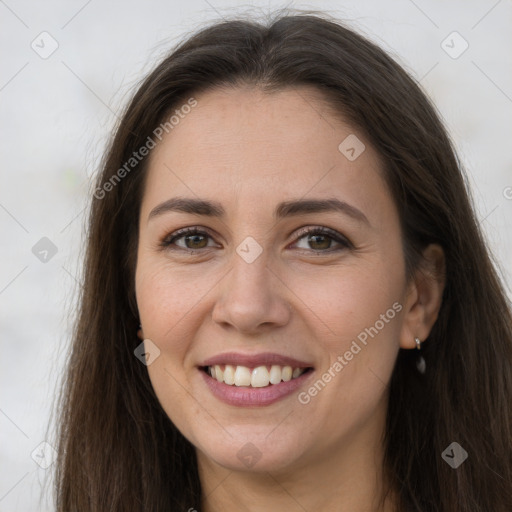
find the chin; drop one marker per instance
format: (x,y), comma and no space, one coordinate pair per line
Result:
(253,453)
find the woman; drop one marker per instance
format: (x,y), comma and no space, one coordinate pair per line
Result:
(287,301)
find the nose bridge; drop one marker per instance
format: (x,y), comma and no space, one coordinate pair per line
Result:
(251,295)
(253,251)
(250,275)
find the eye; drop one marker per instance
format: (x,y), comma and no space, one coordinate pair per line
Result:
(320,239)
(192,239)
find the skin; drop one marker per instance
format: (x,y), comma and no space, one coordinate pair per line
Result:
(249,151)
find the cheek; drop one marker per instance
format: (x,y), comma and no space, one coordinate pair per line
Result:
(166,298)
(358,325)
(356,313)
(345,301)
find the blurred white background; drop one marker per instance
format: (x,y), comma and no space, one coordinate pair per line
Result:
(57,111)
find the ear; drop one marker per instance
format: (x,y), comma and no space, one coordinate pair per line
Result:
(424,297)
(140,334)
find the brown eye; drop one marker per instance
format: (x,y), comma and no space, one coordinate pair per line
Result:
(321,239)
(318,239)
(189,239)
(196,241)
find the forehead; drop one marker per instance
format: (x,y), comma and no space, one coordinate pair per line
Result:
(248,145)
(242,123)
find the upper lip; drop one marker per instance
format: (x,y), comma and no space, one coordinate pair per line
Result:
(255,360)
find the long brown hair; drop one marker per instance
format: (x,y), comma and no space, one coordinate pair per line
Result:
(118,450)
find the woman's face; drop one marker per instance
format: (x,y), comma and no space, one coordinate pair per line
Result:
(296,267)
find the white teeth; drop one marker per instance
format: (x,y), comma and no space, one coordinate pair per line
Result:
(275,374)
(219,374)
(229,375)
(296,373)
(259,377)
(286,373)
(242,376)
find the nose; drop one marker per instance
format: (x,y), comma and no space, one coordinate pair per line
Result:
(251,298)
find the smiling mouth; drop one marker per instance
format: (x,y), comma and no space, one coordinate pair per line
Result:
(258,377)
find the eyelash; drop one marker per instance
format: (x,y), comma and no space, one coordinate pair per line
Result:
(167,242)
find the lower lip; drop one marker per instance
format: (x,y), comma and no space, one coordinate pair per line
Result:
(247,396)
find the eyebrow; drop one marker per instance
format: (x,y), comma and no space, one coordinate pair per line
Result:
(283,210)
